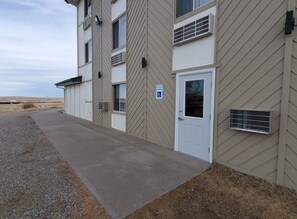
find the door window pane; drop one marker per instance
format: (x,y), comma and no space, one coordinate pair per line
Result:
(183,7)
(194,98)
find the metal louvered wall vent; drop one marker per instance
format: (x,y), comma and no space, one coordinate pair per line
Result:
(257,121)
(103,106)
(197,29)
(118,59)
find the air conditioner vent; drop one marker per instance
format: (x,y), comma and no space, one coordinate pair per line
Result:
(118,59)
(194,30)
(103,106)
(257,121)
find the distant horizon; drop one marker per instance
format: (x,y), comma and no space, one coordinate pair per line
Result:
(38,47)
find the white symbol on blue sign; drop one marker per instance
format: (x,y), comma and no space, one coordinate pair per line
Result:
(159,92)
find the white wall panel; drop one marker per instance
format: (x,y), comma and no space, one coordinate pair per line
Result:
(82,100)
(118,122)
(118,73)
(81,12)
(88,91)
(198,52)
(88,111)
(76,100)
(118,9)
(81,47)
(72,101)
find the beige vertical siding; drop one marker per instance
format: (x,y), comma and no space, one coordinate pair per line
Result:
(149,32)
(160,114)
(102,48)
(250,55)
(136,76)
(290,177)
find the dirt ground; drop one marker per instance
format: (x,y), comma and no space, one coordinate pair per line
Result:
(217,193)
(36,104)
(223,193)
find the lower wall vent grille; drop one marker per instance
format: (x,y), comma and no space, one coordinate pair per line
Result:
(257,121)
(118,59)
(103,106)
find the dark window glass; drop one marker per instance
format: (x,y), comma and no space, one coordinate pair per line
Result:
(115,34)
(88,52)
(120,98)
(194,98)
(116,98)
(88,7)
(119,32)
(183,7)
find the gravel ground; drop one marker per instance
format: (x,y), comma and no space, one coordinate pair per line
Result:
(35,181)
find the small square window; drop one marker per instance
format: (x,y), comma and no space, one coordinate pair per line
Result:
(120,98)
(88,51)
(119,32)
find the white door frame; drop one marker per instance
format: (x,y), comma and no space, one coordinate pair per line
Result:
(213,79)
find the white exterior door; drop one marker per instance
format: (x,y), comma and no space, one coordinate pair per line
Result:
(194,115)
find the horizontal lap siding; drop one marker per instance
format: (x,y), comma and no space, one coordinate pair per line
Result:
(250,55)
(291,150)
(160,114)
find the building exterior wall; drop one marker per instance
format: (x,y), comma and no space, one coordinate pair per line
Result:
(255,68)
(79,97)
(290,159)
(102,49)
(147,117)
(252,56)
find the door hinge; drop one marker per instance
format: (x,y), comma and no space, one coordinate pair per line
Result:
(208,150)
(209,117)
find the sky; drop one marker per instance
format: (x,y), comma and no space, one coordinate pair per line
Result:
(37,47)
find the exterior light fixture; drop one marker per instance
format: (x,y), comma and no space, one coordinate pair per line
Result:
(143,62)
(97,20)
(290,22)
(99,75)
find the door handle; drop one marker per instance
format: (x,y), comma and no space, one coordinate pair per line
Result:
(180,118)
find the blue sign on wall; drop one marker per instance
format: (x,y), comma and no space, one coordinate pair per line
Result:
(159,92)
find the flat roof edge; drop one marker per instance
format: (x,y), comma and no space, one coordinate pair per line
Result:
(69,82)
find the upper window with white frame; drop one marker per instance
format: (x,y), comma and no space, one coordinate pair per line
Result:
(185,6)
(88,51)
(119,32)
(88,7)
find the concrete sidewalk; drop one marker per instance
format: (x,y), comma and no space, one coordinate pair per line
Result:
(124,173)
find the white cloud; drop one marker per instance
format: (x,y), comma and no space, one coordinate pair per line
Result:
(38,43)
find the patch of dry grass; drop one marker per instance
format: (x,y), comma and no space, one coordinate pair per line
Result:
(223,193)
(21,104)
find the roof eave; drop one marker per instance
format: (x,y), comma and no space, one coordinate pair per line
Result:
(72,2)
(69,82)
